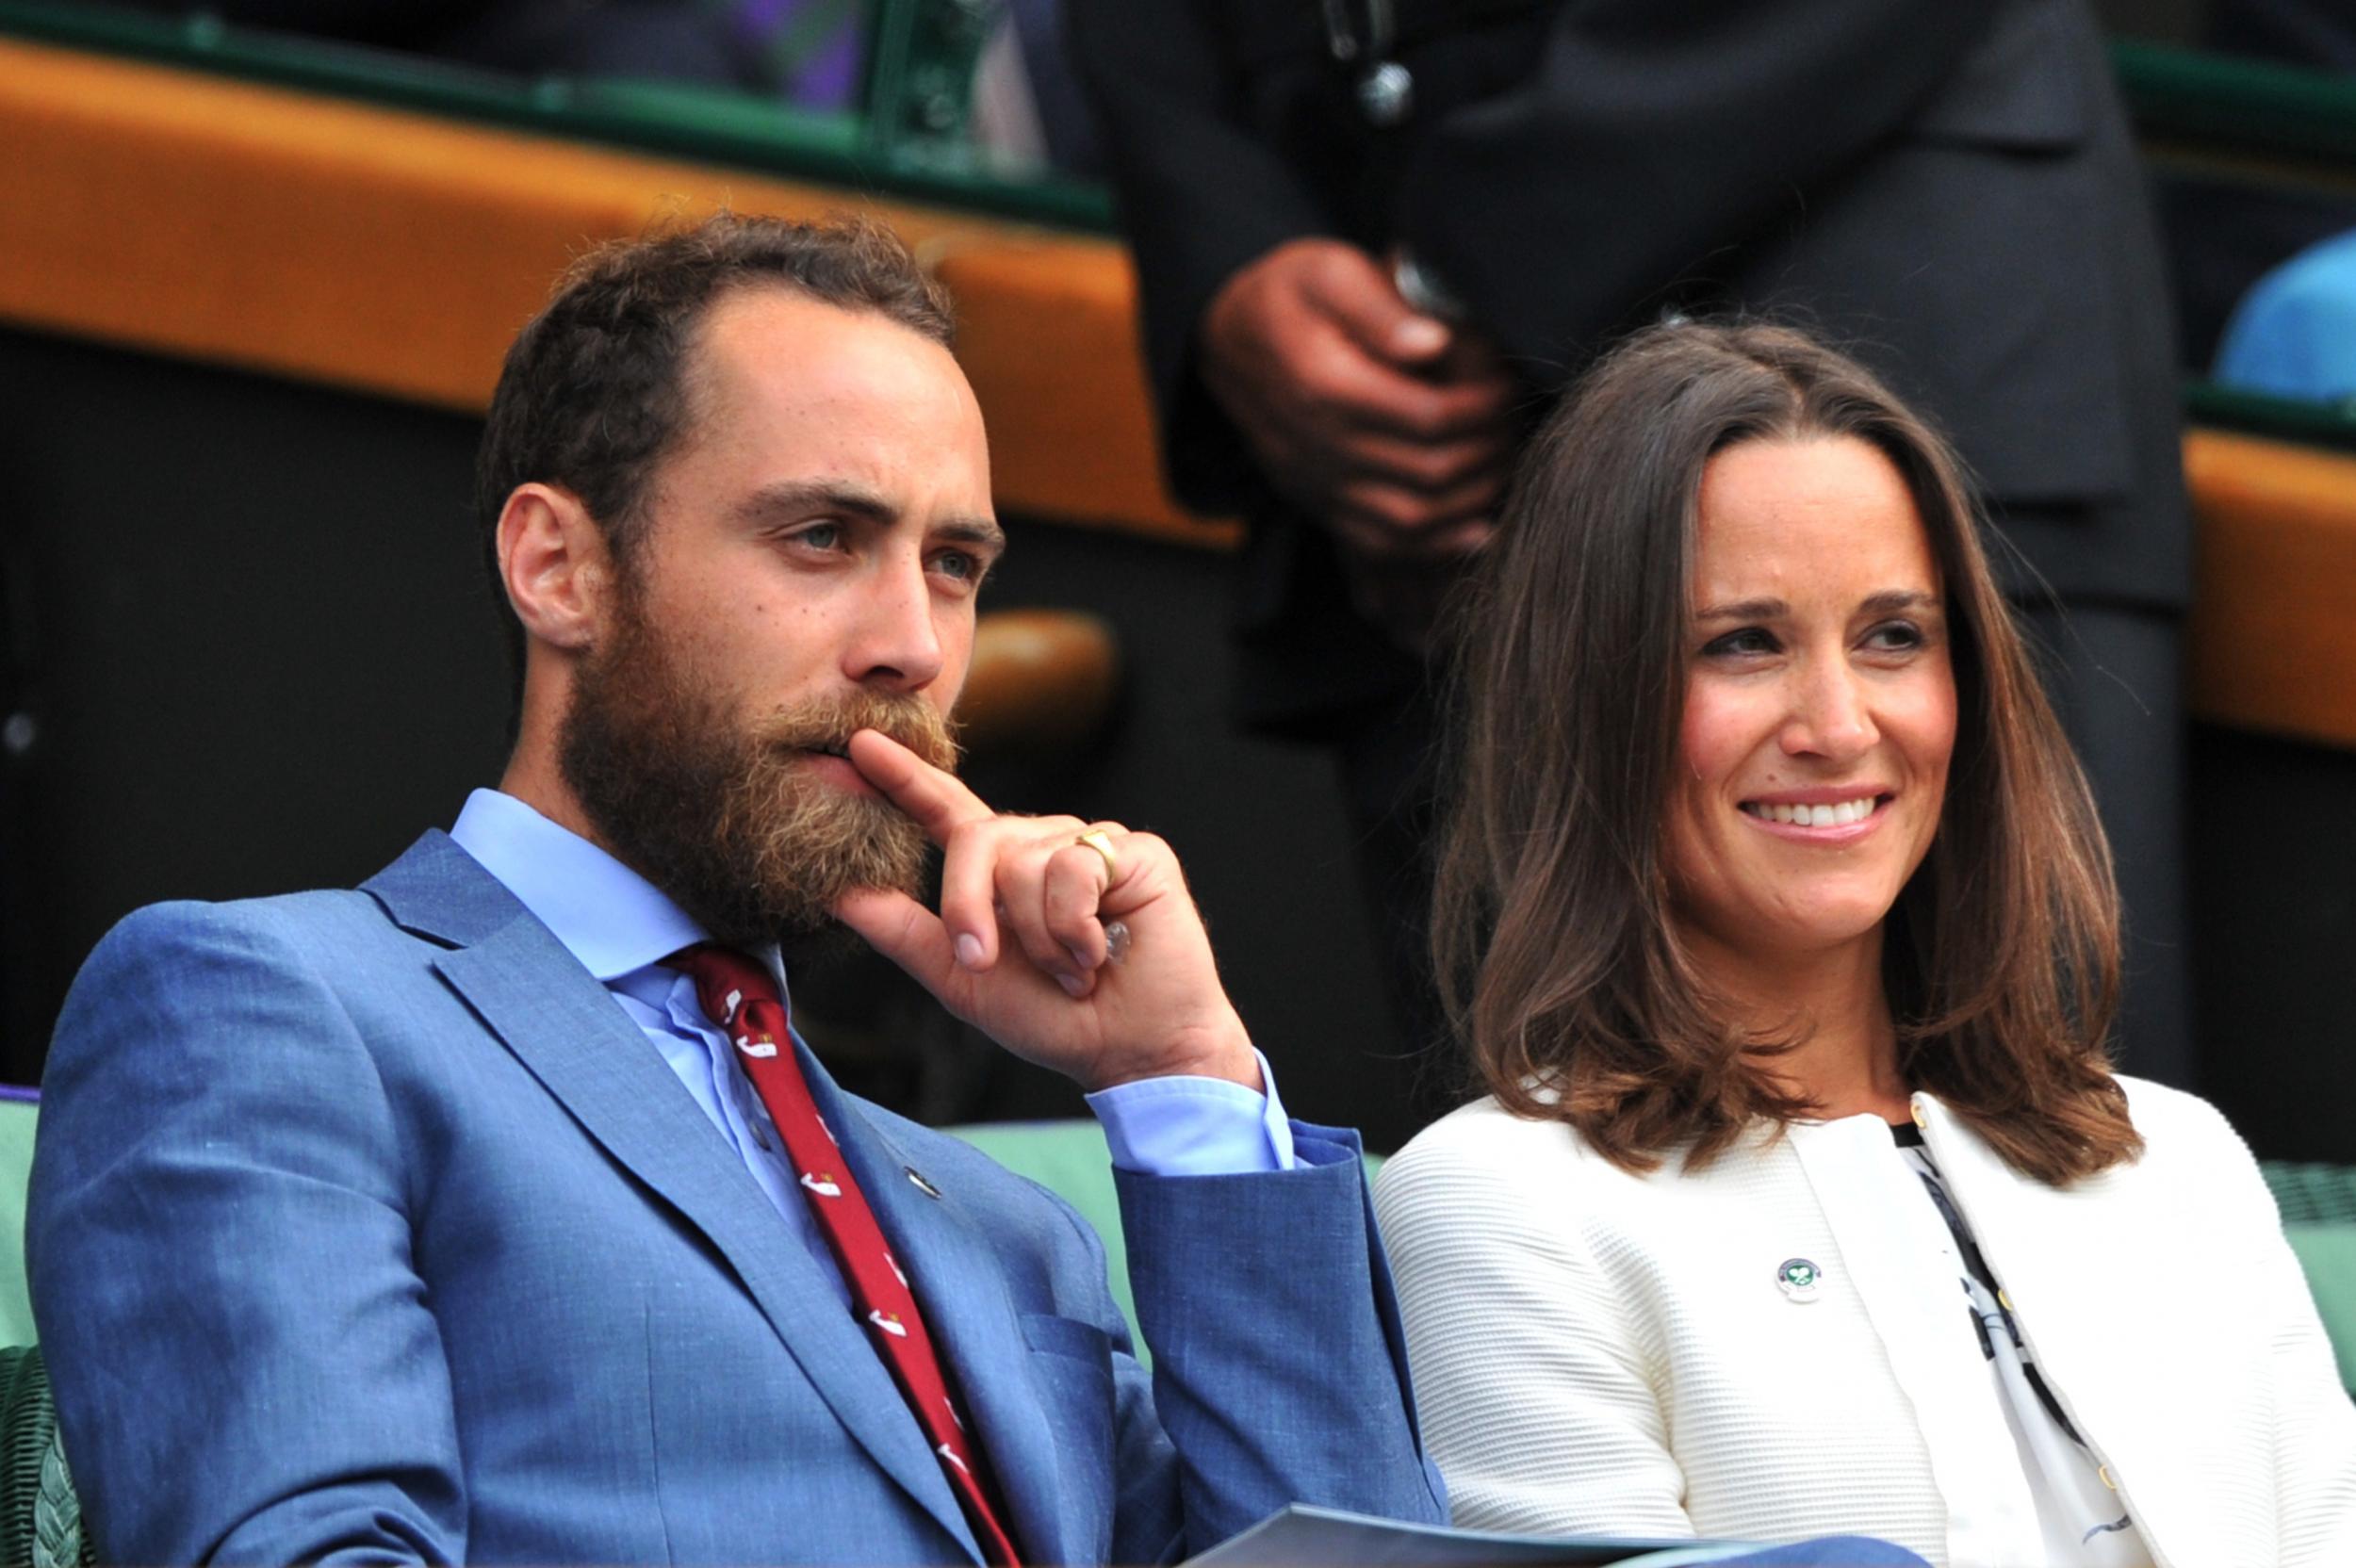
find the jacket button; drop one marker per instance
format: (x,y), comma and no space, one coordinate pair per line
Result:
(1387,95)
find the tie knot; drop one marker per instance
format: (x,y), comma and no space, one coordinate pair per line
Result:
(727,981)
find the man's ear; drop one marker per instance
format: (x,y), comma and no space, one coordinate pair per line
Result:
(555,566)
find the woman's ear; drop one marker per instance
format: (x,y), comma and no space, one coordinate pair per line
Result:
(555,566)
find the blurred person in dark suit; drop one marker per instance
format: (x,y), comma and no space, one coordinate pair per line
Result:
(1370,235)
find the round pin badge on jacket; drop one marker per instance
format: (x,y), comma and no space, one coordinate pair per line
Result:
(1799,1280)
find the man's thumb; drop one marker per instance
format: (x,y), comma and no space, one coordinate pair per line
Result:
(1353,290)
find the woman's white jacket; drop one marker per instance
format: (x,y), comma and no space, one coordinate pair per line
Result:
(1601,1352)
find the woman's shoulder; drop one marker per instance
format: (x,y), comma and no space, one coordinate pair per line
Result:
(1482,1136)
(1486,1155)
(2179,1127)
(2188,1146)
(1485,1188)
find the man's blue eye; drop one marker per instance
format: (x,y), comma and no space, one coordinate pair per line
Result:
(962,565)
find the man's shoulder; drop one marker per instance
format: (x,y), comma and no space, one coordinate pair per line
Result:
(337,950)
(182,930)
(340,929)
(289,915)
(332,927)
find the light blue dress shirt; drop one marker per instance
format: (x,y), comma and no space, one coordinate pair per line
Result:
(621,928)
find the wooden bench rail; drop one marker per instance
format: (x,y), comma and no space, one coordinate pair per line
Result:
(392,252)
(397,253)
(2272,644)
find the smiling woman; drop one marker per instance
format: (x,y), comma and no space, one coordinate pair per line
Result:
(1820,714)
(1739,574)
(1778,924)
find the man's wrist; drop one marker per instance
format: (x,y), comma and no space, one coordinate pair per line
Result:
(1196,1125)
(1224,1053)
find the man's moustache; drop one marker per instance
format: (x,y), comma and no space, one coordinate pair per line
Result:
(829,727)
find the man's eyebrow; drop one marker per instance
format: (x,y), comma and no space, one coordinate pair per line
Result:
(981,531)
(817,495)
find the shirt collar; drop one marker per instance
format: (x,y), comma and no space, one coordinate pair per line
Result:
(609,917)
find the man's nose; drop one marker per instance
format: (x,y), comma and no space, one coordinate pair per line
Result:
(1830,715)
(896,642)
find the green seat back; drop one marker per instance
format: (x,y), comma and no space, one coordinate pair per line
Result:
(1070,1159)
(2311,1194)
(17,1118)
(40,1518)
(2319,1204)
(2328,1253)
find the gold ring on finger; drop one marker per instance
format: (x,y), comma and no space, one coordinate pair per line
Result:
(1096,838)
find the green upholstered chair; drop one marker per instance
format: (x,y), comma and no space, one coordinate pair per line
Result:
(2319,1204)
(40,1518)
(1070,1159)
(18,1113)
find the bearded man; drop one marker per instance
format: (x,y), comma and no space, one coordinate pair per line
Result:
(493,1211)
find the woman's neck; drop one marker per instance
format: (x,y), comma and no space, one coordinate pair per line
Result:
(1847,1061)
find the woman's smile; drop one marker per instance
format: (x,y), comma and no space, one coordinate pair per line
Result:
(1820,816)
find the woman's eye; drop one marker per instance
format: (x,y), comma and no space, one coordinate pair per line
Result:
(1736,644)
(1894,636)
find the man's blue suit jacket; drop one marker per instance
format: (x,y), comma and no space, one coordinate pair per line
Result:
(364,1226)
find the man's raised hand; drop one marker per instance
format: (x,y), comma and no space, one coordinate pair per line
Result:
(1018,948)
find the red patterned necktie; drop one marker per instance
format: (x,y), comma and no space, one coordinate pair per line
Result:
(737,995)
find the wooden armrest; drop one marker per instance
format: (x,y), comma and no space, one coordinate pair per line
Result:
(2272,641)
(1043,681)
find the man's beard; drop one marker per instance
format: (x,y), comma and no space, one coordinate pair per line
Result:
(729,819)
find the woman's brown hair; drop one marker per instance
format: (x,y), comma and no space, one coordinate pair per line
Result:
(1558,956)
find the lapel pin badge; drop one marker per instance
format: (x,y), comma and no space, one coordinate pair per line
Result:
(1799,1280)
(922,1186)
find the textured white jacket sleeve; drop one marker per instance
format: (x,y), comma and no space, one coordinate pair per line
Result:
(1537,1389)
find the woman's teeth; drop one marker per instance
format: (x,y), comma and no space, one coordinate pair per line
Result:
(1814,816)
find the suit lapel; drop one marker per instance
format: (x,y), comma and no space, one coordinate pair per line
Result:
(567,1030)
(961,1288)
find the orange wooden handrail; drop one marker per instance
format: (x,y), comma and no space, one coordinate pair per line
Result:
(2272,642)
(397,253)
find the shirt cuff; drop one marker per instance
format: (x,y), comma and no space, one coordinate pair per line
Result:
(1189,1126)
